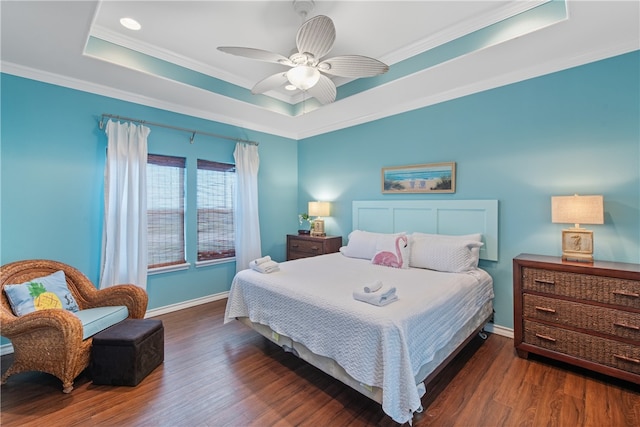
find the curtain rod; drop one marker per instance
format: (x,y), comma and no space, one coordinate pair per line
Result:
(191,131)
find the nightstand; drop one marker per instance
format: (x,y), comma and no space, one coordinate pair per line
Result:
(305,246)
(584,314)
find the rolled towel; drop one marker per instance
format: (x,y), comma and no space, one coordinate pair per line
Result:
(375,298)
(373,286)
(259,261)
(266,267)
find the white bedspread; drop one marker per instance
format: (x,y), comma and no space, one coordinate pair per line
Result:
(310,300)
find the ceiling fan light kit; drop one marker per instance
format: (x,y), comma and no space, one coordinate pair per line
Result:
(314,40)
(303,77)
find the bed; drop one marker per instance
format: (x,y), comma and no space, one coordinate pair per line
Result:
(387,352)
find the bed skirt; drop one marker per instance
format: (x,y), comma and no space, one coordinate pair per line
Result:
(426,372)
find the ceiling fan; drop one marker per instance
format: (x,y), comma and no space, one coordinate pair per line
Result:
(314,40)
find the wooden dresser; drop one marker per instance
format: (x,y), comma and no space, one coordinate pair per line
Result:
(584,314)
(305,246)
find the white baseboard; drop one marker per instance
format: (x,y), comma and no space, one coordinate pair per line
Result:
(8,348)
(185,304)
(499,330)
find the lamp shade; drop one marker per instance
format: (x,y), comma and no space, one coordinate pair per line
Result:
(319,208)
(577,209)
(303,77)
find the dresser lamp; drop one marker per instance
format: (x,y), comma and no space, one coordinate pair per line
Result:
(318,209)
(577,243)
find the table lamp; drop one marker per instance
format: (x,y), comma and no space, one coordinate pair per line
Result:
(577,243)
(318,209)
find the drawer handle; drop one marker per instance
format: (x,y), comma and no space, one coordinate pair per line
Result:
(544,282)
(627,294)
(314,248)
(546,337)
(294,245)
(627,359)
(545,309)
(624,325)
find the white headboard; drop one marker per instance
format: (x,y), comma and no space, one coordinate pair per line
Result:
(432,216)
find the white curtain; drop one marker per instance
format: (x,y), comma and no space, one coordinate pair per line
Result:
(247,224)
(124,239)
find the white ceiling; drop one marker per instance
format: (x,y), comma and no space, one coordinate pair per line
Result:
(46,40)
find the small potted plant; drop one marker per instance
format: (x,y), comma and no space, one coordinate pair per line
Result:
(306,223)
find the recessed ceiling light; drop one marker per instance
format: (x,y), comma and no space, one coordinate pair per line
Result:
(130,23)
(290,87)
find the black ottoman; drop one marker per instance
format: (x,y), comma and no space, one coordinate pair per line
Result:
(127,352)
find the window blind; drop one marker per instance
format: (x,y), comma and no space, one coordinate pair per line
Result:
(216,233)
(165,210)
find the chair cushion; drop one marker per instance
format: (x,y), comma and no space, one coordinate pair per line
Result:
(41,293)
(98,319)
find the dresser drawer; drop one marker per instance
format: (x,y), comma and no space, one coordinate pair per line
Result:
(306,246)
(604,320)
(583,346)
(607,290)
(310,246)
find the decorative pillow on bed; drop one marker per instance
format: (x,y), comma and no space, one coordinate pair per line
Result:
(363,244)
(392,251)
(38,294)
(453,254)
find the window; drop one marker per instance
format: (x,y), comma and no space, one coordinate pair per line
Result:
(216,234)
(165,210)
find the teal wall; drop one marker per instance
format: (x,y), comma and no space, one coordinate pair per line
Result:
(53,157)
(575,131)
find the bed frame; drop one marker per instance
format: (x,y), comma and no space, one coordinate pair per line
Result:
(438,217)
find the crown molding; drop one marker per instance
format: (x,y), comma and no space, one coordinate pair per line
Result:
(180,60)
(82,85)
(479,86)
(462,29)
(310,130)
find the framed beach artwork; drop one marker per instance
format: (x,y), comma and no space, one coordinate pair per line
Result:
(427,178)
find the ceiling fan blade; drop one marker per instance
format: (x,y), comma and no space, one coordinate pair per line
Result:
(259,54)
(324,91)
(316,36)
(353,66)
(269,83)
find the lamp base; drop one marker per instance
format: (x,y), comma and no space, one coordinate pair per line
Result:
(318,228)
(577,245)
(577,257)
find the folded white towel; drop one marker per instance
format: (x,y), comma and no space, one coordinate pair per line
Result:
(265,267)
(260,261)
(373,286)
(386,291)
(376,298)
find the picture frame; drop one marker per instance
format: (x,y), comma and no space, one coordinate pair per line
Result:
(425,178)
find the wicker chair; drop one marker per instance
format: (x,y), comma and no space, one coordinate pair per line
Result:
(51,340)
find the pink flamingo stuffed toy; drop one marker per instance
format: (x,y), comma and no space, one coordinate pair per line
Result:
(389,259)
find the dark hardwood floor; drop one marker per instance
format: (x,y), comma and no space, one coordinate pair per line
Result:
(228,375)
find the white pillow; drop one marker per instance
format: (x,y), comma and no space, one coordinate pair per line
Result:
(436,238)
(445,252)
(475,237)
(363,244)
(392,251)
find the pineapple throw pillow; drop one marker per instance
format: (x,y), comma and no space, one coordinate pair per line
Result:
(40,294)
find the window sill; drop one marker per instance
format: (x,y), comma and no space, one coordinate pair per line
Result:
(168,268)
(214,262)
